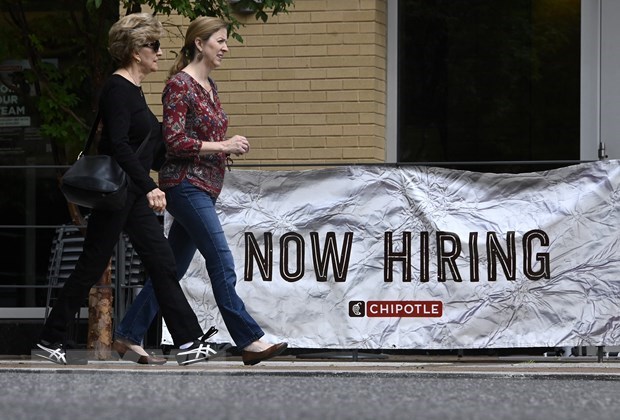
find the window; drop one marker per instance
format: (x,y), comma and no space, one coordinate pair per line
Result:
(32,206)
(486,81)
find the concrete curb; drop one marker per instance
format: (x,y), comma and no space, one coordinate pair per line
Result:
(288,366)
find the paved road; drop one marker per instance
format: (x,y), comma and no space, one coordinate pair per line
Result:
(289,388)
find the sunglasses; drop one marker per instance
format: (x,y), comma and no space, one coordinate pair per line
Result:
(155,45)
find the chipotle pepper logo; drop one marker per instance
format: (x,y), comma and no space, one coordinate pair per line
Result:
(396,309)
(357,308)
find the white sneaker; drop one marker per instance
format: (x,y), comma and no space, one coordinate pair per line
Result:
(201,350)
(197,352)
(54,352)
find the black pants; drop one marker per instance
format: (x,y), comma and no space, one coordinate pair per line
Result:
(147,238)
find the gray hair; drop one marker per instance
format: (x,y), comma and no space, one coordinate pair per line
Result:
(130,33)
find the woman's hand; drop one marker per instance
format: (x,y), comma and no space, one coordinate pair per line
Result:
(157,200)
(236,145)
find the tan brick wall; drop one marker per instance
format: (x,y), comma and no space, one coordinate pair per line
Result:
(307,86)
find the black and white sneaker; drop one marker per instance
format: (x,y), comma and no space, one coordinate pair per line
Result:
(201,350)
(54,352)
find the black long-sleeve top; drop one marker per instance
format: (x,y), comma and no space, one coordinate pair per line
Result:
(126,121)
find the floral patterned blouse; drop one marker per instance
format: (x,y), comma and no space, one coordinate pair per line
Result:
(191,117)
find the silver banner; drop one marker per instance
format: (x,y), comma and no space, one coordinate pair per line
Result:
(422,257)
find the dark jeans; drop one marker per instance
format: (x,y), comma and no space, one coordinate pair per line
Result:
(196,226)
(146,235)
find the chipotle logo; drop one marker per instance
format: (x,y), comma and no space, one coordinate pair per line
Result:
(396,308)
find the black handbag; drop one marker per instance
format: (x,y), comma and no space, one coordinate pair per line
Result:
(96,181)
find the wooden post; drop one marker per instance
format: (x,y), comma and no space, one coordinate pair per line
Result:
(100,310)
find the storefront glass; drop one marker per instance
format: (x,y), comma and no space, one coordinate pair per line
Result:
(488,80)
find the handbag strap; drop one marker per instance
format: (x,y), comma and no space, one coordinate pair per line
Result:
(143,144)
(93,131)
(91,135)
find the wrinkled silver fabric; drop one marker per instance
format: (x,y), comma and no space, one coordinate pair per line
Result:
(576,207)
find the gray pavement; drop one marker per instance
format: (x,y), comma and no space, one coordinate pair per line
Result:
(418,387)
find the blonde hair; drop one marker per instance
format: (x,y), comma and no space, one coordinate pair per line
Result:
(202,27)
(130,33)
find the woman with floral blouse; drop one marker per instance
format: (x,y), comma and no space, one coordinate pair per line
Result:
(127,123)
(192,176)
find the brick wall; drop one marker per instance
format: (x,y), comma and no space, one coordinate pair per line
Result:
(307,86)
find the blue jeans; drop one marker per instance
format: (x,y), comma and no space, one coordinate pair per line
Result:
(196,226)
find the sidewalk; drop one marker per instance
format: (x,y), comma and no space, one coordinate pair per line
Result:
(581,366)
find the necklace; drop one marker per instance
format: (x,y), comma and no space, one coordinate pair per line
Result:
(207,87)
(134,82)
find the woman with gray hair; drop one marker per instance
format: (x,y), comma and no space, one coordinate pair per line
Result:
(127,122)
(193,174)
